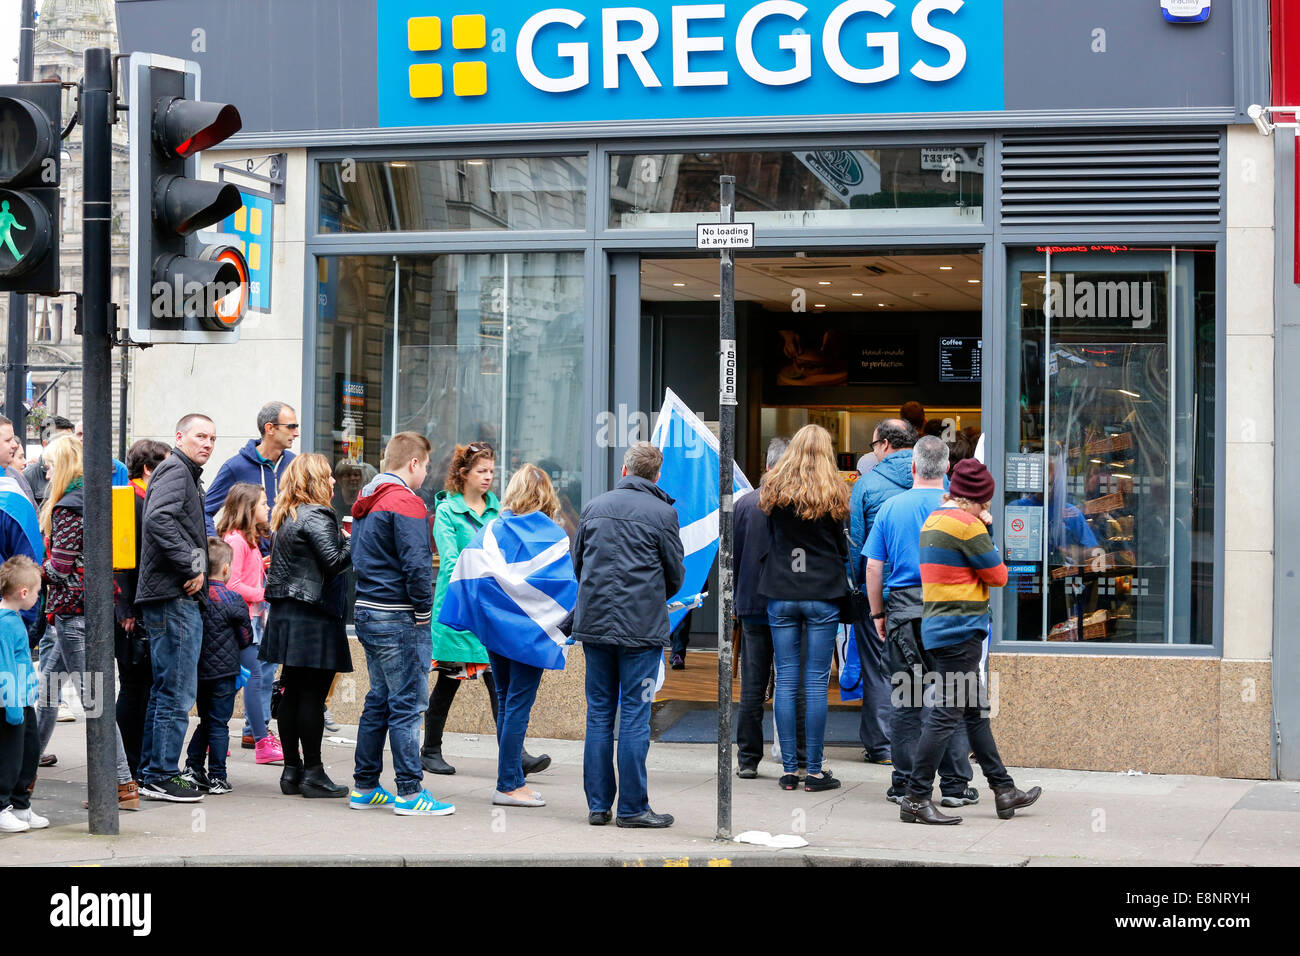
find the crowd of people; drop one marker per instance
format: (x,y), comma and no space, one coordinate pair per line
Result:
(251,584)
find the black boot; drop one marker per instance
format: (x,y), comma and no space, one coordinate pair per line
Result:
(1010,800)
(912,810)
(535,764)
(316,784)
(431,760)
(290,778)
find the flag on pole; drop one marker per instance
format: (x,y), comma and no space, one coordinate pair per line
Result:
(690,477)
(512,588)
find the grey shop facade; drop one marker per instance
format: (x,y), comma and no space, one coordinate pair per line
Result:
(1024,225)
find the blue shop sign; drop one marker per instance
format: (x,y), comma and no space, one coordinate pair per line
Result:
(459,62)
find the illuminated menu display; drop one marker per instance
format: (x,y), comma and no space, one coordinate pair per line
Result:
(960,359)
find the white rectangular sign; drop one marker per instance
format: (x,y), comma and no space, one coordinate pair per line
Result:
(724,235)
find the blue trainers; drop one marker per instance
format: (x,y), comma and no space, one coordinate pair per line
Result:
(379,797)
(422,804)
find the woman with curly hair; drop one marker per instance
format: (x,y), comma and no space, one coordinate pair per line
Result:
(804,579)
(305,629)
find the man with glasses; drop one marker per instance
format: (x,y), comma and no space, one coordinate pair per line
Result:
(261,462)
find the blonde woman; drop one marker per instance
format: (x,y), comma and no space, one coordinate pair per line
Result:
(63,522)
(305,630)
(804,579)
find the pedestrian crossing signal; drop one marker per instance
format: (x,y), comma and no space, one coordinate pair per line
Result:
(30,125)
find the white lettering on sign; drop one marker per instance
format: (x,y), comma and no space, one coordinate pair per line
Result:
(690,34)
(727,373)
(724,235)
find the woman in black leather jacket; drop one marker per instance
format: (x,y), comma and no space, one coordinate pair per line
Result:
(305,629)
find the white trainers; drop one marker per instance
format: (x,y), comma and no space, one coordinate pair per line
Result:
(65,714)
(9,822)
(34,819)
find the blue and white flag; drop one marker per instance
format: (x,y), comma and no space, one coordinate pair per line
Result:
(512,588)
(690,477)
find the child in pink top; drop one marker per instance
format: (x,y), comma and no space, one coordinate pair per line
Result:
(244,522)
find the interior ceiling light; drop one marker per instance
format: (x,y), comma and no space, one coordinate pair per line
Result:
(823,282)
(820,305)
(679,285)
(397,165)
(476,162)
(946,268)
(973,281)
(858,295)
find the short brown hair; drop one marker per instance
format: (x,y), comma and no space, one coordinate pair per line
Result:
(530,490)
(220,554)
(463,462)
(183,426)
(18,572)
(643,460)
(404,446)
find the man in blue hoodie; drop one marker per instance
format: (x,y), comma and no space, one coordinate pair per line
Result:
(261,462)
(892,444)
(392,555)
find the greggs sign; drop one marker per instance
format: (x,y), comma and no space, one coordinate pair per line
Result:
(458,62)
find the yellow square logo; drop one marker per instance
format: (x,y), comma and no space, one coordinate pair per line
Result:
(241,217)
(424,33)
(254,256)
(426,80)
(255,221)
(469,32)
(470,79)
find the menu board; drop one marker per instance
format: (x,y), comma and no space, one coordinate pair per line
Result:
(960,359)
(1024,473)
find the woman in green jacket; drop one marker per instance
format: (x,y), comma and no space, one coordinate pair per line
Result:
(462,508)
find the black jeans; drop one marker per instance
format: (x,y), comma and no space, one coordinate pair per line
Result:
(20,749)
(302,713)
(874,723)
(681,638)
(907,714)
(135,675)
(755,674)
(959,689)
(444,692)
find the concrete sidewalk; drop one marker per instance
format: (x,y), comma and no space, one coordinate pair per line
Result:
(1083,818)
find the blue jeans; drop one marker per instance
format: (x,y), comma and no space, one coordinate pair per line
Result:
(261,674)
(516,690)
(398,655)
(175,636)
(622,679)
(216,702)
(793,623)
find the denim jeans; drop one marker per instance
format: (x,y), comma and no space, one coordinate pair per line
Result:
(619,679)
(907,715)
(66,660)
(176,634)
(398,654)
(802,629)
(755,670)
(874,721)
(954,706)
(261,675)
(516,690)
(216,702)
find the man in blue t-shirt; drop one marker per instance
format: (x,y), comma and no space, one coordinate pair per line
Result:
(894,564)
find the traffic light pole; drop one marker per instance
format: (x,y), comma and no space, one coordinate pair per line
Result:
(16,369)
(97,403)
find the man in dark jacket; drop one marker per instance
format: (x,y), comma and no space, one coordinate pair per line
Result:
(173,570)
(261,462)
(752,542)
(628,559)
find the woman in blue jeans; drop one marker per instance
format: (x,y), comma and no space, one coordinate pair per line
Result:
(804,580)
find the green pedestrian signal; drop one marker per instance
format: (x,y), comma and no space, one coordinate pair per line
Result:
(30,126)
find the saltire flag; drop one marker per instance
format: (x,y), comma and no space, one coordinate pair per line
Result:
(513,587)
(690,477)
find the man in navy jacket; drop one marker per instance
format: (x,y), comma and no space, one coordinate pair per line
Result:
(261,462)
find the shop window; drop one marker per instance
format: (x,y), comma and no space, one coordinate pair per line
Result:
(428,195)
(1108,480)
(459,348)
(805,188)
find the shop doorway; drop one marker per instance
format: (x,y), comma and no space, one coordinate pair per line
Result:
(838,338)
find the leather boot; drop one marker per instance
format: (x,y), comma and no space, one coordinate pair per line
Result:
(535,764)
(923,811)
(290,779)
(431,760)
(315,783)
(1010,800)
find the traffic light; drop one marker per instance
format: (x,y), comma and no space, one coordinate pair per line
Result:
(30,127)
(183,289)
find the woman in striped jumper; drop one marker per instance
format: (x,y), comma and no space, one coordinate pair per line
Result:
(959,563)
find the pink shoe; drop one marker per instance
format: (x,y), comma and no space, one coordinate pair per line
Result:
(268,750)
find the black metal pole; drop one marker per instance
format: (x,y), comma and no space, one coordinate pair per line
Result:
(97,405)
(16,367)
(123,382)
(727,444)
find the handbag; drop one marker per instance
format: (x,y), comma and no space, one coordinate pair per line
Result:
(855,607)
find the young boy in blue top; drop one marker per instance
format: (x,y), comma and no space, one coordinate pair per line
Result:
(20,745)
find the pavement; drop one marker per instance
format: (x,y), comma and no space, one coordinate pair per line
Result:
(1083,818)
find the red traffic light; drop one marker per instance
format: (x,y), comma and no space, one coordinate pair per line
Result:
(184,127)
(25,142)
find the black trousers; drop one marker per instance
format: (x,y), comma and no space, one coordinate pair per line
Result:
(135,674)
(444,692)
(755,674)
(302,713)
(958,701)
(20,750)
(908,714)
(873,722)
